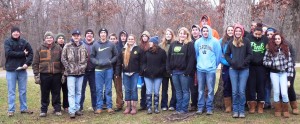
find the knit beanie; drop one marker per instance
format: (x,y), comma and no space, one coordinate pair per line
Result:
(48,33)
(13,29)
(60,35)
(154,40)
(103,29)
(89,30)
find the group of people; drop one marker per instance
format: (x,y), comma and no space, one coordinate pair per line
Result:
(189,62)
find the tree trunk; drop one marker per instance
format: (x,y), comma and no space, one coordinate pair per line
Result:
(236,11)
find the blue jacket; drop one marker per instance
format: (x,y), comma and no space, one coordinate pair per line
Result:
(224,48)
(208,52)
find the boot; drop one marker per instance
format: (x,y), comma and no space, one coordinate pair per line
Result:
(228,104)
(133,108)
(260,107)
(251,106)
(277,106)
(149,103)
(156,103)
(285,110)
(294,106)
(128,106)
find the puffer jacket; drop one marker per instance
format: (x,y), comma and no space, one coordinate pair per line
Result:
(74,59)
(47,60)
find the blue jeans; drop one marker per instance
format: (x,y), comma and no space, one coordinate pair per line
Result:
(238,82)
(89,77)
(130,84)
(104,78)
(279,82)
(74,92)
(164,93)
(182,87)
(12,77)
(206,79)
(153,85)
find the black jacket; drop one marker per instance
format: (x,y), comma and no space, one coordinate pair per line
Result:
(154,63)
(14,53)
(181,57)
(258,49)
(135,60)
(239,57)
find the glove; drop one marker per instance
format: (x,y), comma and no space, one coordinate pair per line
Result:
(63,79)
(37,79)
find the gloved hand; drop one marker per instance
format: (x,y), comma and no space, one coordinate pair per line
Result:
(37,79)
(63,79)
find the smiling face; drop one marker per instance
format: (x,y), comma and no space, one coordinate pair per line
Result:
(49,40)
(205,32)
(229,31)
(277,39)
(270,34)
(130,40)
(257,34)
(103,36)
(238,32)
(60,40)
(89,36)
(76,37)
(182,35)
(16,34)
(113,39)
(168,35)
(195,32)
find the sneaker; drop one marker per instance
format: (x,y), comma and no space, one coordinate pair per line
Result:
(199,112)
(171,109)
(235,115)
(242,115)
(110,111)
(10,114)
(99,111)
(57,113)
(43,114)
(27,112)
(164,109)
(78,113)
(193,108)
(209,113)
(176,113)
(149,111)
(72,116)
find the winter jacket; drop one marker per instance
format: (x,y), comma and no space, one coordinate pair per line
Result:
(88,47)
(14,53)
(239,57)
(214,32)
(103,55)
(224,49)
(181,57)
(74,59)
(135,60)
(208,53)
(258,46)
(154,63)
(279,63)
(47,60)
(120,44)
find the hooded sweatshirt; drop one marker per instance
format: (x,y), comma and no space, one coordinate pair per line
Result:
(208,52)
(120,44)
(88,47)
(239,57)
(214,32)
(224,48)
(258,46)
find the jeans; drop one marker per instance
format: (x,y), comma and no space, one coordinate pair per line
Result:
(153,85)
(268,88)
(164,93)
(291,89)
(238,82)
(74,92)
(279,82)
(104,78)
(50,83)
(143,95)
(182,87)
(64,88)
(226,81)
(89,77)
(12,77)
(256,84)
(130,85)
(207,79)
(194,92)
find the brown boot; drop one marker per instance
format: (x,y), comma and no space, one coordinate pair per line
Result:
(228,104)
(277,106)
(133,107)
(127,110)
(294,106)
(285,110)
(251,106)
(260,107)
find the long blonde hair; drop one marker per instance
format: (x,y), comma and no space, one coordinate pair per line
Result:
(238,42)
(127,51)
(187,32)
(163,43)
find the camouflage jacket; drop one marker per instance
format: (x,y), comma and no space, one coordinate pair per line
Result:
(74,58)
(47,60)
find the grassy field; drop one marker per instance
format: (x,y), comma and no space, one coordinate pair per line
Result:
(33,100)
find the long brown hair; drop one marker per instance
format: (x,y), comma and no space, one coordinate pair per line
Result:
(145,45)
(226,37)
(164,40)
(127,51)
(273,48)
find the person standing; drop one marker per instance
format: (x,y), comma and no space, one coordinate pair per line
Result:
(89,75)
(238,55)
(18,55)
(74,59)
(208,54)
(205,20)
(104,53)
(47,69)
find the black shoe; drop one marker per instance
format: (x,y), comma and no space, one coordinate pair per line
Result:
(104,106)
(78,113)
(118,109)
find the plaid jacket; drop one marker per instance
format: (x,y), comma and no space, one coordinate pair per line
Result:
(279,62)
